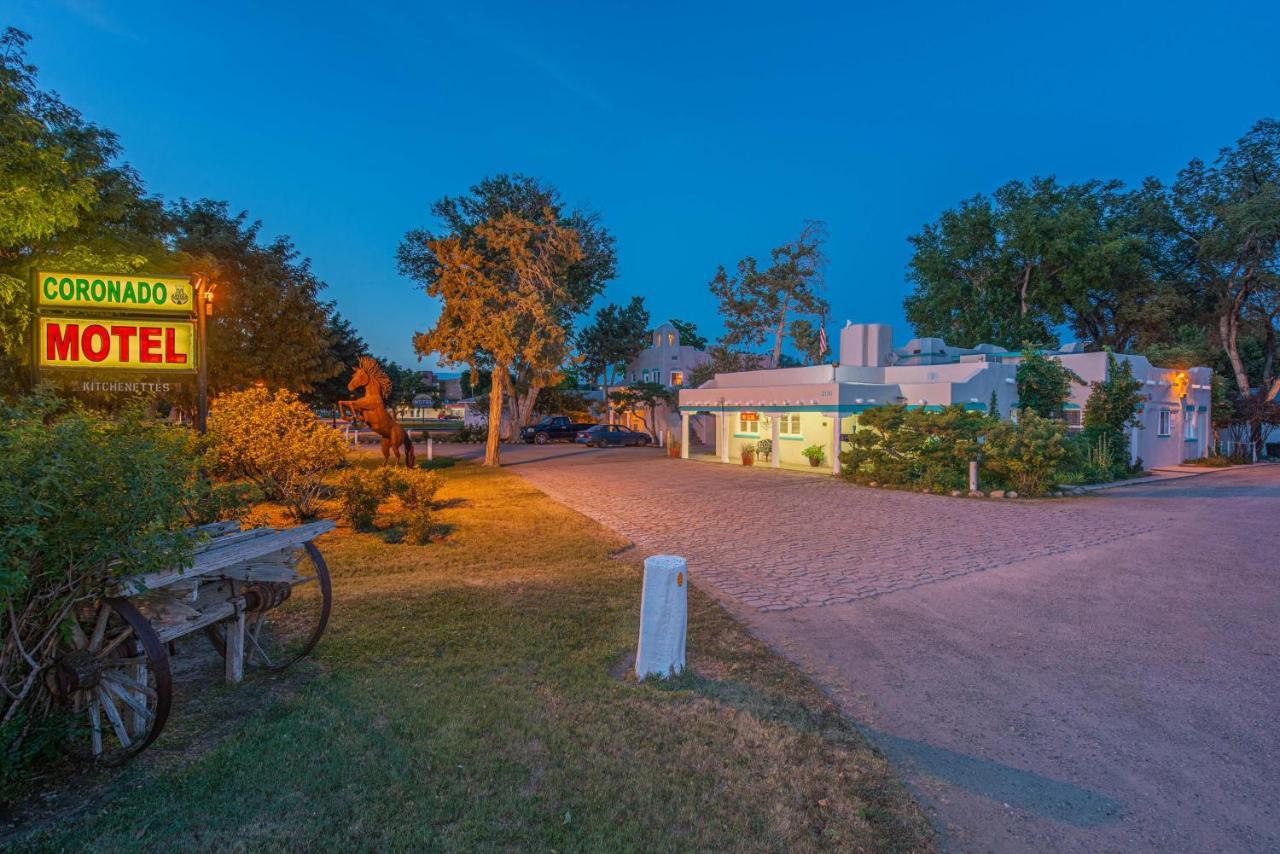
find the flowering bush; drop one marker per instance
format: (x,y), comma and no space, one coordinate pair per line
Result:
(274,440)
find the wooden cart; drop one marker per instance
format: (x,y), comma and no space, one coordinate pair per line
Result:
(261,597)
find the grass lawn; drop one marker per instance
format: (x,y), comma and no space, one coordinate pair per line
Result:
(469,694)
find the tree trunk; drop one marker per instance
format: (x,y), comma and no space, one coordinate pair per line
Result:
(1022,292)
(777,334)
(604,386)
(1270,382)
(491,448)
(1228,326)
(511,431)
(528,402)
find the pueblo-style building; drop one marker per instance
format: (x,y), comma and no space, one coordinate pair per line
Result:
(797,408)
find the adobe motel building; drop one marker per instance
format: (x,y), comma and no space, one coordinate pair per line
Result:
(820,404)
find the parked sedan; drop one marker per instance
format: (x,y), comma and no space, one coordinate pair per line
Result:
(611,434)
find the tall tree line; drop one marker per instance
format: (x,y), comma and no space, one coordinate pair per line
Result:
(67,199)
(1185,271)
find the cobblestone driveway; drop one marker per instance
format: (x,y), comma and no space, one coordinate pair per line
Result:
(780,540)
(1092,674)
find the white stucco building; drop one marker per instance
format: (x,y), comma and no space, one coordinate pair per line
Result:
(819,405)
(665,360)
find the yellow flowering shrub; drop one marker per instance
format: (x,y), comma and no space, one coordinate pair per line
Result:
(276,441)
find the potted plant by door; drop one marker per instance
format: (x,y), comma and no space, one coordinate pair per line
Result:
(816,454)
(673,448)
(748,456)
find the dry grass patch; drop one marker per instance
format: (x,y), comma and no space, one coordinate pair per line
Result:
(463,699)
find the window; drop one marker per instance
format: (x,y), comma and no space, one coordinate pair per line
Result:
(677,377)
(1165,423)
(1189,426)
(657,339)
(1074,420)
(790,424)
(748,422)
(646,374)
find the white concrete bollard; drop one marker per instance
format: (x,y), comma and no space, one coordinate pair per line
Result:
(430,450)
(664,617)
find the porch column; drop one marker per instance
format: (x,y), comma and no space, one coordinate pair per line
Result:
(776,457)
(722,436)
(684,435)
(835,443)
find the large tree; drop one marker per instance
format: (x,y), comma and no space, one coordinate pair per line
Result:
(65,199)
(502,287)
(758,304)
(614,338)
(527,198)
(345,348)
(269,324)
(1226,217)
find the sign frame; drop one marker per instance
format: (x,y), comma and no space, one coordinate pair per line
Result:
(45,311)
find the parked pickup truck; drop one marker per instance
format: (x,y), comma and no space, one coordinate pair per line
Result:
(557,428)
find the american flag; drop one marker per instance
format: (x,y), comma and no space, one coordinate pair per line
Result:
(822,339)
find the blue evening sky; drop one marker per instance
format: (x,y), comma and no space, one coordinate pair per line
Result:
(700,133)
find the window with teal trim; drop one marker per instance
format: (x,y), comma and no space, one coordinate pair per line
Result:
(790,424)
(1164,425)
(1189,426)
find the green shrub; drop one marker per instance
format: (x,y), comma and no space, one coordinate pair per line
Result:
(469,434)
(815,454)
(897,446)
(1028,455)
(417,489)
(212,501)
(84,500)
(360,491)
(275,441)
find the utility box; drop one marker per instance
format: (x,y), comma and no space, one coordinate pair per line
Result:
(664,617)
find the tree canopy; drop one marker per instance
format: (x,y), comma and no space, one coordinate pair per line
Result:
(1186,271)
(689,335)
(502,285)
(757,304)
(67,199)
(615,337)
(578,282)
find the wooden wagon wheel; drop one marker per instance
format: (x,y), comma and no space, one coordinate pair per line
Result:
(112,675)
(283,620)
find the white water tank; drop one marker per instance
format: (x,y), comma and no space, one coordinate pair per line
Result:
(866,345)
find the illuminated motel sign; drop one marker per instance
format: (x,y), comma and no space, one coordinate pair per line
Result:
(109,326)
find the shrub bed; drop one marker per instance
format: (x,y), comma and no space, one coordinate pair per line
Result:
(931,451)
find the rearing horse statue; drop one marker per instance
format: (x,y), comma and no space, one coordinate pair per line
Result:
(371,407)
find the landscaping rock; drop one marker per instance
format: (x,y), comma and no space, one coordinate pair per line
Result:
(872,483)
(997,493)
(975,494)
(955,493)
(1011,494)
